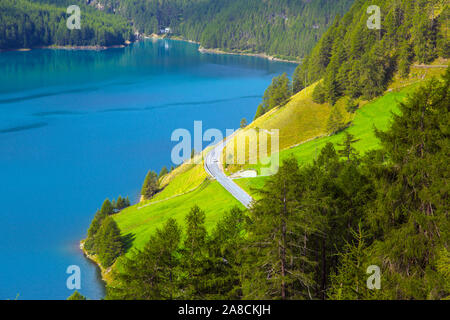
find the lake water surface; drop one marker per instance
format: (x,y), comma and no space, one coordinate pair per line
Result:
(79,126)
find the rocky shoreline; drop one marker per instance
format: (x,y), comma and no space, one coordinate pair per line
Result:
(105,273)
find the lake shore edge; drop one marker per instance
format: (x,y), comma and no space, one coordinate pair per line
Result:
(105,273)
(73,48)
(201,49)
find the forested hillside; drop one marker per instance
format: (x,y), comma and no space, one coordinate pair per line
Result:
(27,24)
(358,62)
(286,28)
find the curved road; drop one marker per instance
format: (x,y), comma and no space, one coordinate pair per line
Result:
(214,168)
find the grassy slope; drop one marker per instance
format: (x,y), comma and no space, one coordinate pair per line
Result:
(141,221)
(374,114)
(299,120)
(184,179)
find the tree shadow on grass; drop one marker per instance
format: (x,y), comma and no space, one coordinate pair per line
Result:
(127,241)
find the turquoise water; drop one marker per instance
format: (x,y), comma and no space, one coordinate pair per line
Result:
(79,126)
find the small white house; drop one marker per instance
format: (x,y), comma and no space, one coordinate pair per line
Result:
(165,30)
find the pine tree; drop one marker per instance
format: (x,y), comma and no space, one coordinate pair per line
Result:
(163,172)
(348,150)
(121,203)
(76,296)
(153,273)
(243,123)
(107,208)
(127,202)
(349,280)
(224,247)
(259,112)
(91,243)
(335,121)
(109,242)
(193,260)
(276,266)
(319,94)
(150,186)
(412,202)
(277,93)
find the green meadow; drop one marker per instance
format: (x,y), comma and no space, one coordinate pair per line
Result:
(138,223)
(376,114)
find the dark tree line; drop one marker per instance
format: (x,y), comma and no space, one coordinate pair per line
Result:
(27,24)
(285,28)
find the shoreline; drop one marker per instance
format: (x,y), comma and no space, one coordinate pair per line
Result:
(257,55)
(105,273)
(201,49)
(72,48)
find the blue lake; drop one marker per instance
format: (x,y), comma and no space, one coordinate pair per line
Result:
(79,126)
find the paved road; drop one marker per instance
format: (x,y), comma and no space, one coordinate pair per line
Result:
(213,167)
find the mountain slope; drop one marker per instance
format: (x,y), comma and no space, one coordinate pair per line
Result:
(358,62)
(27,24)
(284,28)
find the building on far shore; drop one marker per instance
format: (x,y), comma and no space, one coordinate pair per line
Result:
(165,30)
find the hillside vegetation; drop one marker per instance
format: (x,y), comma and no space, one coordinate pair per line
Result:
(316,229)
(137,223)
(356,61)
(28,24)
(284,28)
(363,182)
(295,140)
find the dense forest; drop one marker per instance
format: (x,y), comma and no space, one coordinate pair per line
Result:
(318,227)
(27,24)
(357,62)
(285,28)
(282,28)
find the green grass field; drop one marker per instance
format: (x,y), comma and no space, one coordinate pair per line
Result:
(300,120)
(140,221)
(377,113)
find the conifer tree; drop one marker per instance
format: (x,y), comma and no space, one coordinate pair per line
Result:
(319,94)
(107,208)
(225,259)
(412,202)
(349,280)
(348,150)
(194,253)
(150,186)
(109,242)
(120,204)
(151,274)
(276,266)
(163,172)
(76,296)
(335,121)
